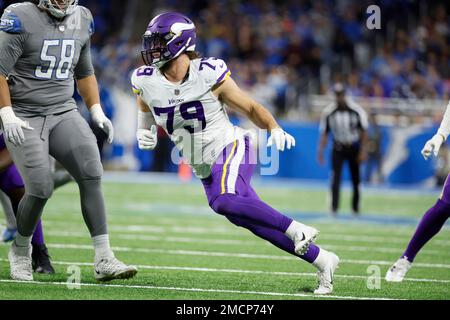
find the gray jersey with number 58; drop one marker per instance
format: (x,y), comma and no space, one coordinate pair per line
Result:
(40,56)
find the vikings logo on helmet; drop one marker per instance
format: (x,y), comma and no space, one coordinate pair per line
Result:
(59,8)
(168,35)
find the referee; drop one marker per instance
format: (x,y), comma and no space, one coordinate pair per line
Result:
(347,123)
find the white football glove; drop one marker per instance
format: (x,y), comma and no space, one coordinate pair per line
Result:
(281,139)
(432,146)
(12,126)
(102,121)
(147,139)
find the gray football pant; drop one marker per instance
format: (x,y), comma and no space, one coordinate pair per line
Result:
(8,210)
(68,138)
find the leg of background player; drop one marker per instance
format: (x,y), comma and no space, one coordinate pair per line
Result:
(355,174)
(32,161)
(337,162)
(429,226)
(431,223)
(73,144)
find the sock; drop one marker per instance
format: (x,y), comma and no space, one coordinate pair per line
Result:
(277,238)
(294,228)
(321,260)
(101,247)
(429,226)
(22,241)
(38,235)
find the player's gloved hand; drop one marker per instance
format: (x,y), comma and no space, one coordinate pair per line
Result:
(281,139)
(102,121)
(432,146)
(12,126)
(147,139)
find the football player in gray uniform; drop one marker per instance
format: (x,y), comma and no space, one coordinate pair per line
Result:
(45,49)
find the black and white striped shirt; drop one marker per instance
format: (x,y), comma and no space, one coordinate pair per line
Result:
(345,125)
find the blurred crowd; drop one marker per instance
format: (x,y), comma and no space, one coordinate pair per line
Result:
(282,49)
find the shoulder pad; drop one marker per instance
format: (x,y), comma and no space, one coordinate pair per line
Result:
(10,22)
(86,13)
(143,72)
(216,69)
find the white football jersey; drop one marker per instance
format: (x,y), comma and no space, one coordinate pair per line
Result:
(189,112)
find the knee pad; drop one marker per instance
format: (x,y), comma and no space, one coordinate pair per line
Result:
(39,183)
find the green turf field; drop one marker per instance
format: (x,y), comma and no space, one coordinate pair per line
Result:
(185,251)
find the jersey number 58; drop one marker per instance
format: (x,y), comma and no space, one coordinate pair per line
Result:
(54,68)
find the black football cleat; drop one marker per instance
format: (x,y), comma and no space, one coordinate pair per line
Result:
(41,260)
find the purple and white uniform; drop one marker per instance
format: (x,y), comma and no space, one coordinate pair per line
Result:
(218,152)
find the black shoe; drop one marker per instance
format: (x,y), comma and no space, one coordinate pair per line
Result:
(41,260)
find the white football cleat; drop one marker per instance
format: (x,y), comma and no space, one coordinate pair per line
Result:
(398,271)
(110,268)
(303,238)
(20,263)
(325,276)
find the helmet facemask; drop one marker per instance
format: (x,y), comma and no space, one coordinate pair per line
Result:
(155,49)
(58,8)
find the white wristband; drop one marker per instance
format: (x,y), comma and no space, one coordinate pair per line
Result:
(145,120)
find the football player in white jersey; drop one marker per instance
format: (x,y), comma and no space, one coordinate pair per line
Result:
(186,95)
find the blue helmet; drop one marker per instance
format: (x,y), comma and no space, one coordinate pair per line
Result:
(58,8)
(168,35)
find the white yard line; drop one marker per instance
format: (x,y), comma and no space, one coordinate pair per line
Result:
(254,272)
(239,232)
(237,255)
(240,242)
(262,293)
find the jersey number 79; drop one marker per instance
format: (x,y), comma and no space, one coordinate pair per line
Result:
(189,111)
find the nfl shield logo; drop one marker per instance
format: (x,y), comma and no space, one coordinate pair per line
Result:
(177,92)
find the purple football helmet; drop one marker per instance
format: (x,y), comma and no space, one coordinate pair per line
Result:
(168,35)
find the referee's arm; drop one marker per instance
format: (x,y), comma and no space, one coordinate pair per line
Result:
(363,137)
(324,130)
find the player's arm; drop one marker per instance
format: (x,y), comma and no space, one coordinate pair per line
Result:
(147,133)
(434,144)
(230,93)
(363,138)
(89,91)
(323,141)
(12,38)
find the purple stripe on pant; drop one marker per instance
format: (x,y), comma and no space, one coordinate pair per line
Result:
(230,193)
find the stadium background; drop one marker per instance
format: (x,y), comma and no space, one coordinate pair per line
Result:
(287,54)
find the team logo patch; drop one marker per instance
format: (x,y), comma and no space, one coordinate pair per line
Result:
(177,92)
(62,28)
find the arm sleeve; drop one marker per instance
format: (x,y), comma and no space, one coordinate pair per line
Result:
(12,38)
(84,67)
